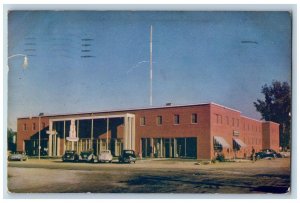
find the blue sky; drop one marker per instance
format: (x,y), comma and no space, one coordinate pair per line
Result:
(198,57)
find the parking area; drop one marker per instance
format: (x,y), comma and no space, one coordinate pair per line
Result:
(149,176)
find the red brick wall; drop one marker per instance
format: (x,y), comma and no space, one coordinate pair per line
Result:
(252,131)
(224,121)
(170,130)
(26,134)
(270,136)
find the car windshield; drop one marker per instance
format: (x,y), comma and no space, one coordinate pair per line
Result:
(70,152)
(105,152)
(86,152)
(17,152)
(128,152)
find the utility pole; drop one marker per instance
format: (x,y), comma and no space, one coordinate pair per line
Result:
(151,65)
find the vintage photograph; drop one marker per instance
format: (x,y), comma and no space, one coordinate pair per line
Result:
(184,102)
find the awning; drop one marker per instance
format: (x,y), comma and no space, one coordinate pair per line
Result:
(221,141)
(239,142)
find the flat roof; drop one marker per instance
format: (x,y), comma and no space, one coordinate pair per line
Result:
(119,110)
(139,108)
(252,119)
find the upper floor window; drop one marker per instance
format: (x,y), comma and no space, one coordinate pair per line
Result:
(159,120)
(194,118)
(24,126)
(33,126)
(176,119)
(219,118)
(143,121)
(43,125)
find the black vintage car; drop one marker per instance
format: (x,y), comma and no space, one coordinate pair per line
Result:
(267,153)
(70,155)
(127,156)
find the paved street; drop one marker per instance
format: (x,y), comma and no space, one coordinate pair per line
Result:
(149,176)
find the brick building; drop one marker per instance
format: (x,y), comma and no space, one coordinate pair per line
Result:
(189,131)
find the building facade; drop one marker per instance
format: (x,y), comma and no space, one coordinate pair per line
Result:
(199,131)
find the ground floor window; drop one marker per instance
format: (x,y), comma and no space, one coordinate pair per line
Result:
(97,145)
(32,147)
(169,147)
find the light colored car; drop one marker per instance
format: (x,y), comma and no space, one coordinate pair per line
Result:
(17,156)
(105,156)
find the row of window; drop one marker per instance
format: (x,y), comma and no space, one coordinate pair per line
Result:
(235,123)
(25,127)
(176,119)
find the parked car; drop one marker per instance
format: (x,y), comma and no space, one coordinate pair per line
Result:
(87,156)
(105,156)
(285,154)
(127,156)
(70,155)
(17,156)
(267,153)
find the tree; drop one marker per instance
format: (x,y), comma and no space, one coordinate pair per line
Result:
(276,107)
(11,136)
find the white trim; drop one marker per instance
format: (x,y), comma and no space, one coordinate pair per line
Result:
(253,119)
(225,107)
(91,117)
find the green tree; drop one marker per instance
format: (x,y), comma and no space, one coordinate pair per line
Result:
(11,136)
(276,107)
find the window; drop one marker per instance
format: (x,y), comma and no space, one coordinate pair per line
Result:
(194,118)
(24,126)
(232,121)
(159,120)
(219,118)
(33,126)
(143,121)
(43,125)
(238,122)
(176,119)
(227,120)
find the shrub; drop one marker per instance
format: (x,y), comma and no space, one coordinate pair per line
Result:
(220,158)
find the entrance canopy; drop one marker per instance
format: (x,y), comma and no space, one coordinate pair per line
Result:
(128,134)
(239,142)
(221,141)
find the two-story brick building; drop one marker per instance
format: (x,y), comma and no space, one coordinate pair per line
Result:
(188,131)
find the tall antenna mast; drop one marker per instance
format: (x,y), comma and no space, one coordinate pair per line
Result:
(151,65)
